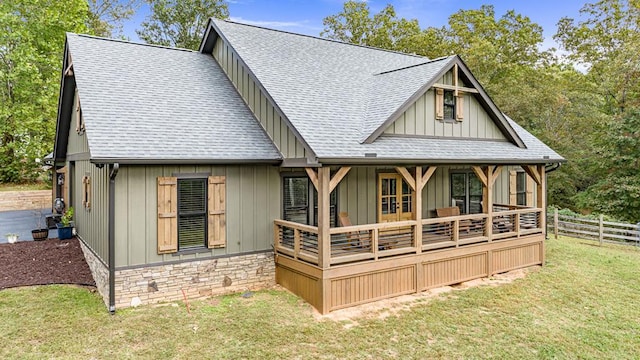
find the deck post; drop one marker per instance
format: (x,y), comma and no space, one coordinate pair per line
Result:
(418,228)
(324,237)
(542,205)
(488,200)
(542,199)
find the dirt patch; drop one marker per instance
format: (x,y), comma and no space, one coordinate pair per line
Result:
(390,307)
(43,262)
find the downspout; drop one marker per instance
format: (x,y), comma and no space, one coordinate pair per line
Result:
(112,243)
(547,169)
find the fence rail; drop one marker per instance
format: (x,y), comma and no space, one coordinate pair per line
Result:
(595,229)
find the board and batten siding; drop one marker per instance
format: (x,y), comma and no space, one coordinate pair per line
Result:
(252,203)
(262,108)
(92,224)
(357,192)
(77,143)
(420,118)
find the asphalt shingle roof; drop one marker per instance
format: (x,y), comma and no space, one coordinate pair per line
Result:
(336,95)
(142,102)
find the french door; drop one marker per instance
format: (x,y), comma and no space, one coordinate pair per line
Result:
(396,200)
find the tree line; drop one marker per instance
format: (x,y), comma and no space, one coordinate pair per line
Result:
(583,100)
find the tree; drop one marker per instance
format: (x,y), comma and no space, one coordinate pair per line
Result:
(356,25)
(608,44)
(618,192)
(180,23)
(105,16)
(32,34)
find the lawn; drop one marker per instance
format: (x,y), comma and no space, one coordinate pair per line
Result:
(25,186)
(583,304)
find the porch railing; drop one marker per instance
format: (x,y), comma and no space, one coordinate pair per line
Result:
(374,241)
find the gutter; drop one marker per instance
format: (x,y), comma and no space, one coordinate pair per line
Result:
(112,243)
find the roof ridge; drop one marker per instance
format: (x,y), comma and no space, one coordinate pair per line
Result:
(131,42)
(321,38)
(416,65)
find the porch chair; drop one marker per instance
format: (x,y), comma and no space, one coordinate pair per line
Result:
(354,239)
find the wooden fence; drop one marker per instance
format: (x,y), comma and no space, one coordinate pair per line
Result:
(597,230)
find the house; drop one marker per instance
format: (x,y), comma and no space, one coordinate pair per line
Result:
(345,173)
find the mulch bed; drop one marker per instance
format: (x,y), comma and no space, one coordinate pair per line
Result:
(45,262)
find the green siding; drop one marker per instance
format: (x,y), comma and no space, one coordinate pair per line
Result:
(420,118)
(91,224)
(262,108)
(77,142)
(252,198)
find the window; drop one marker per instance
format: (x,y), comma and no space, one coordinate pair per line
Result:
(466,192)
(521,189)
(298,194)
(449,105)
(192,213)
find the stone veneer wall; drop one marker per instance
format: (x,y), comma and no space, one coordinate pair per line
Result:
(99,271)
(198,279)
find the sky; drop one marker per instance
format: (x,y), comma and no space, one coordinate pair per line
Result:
(305,16)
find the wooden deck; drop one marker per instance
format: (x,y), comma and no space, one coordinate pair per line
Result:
(375,261)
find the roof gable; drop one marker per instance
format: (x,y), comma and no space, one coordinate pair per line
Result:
(391,92)
(143,103)
(422,79)
(338,99)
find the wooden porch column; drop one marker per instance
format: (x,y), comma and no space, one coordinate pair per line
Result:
(421,180)
(418,229)
(542,198)
(488,177)
(324,238)
(488,202)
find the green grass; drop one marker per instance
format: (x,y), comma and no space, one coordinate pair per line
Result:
(583,304)
(25,186)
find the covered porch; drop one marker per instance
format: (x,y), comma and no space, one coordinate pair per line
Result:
(341,266)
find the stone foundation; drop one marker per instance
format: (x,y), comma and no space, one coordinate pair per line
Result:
(198,279)
(99,271)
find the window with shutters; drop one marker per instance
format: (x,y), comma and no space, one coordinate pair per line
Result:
(300,201)
(192,213)
(449,104)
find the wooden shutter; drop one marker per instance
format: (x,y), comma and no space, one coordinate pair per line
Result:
(77,112)
(530,186)
(217,226)
(167,215)
(84,191)
(460,107)
(513,188)
(439,104)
